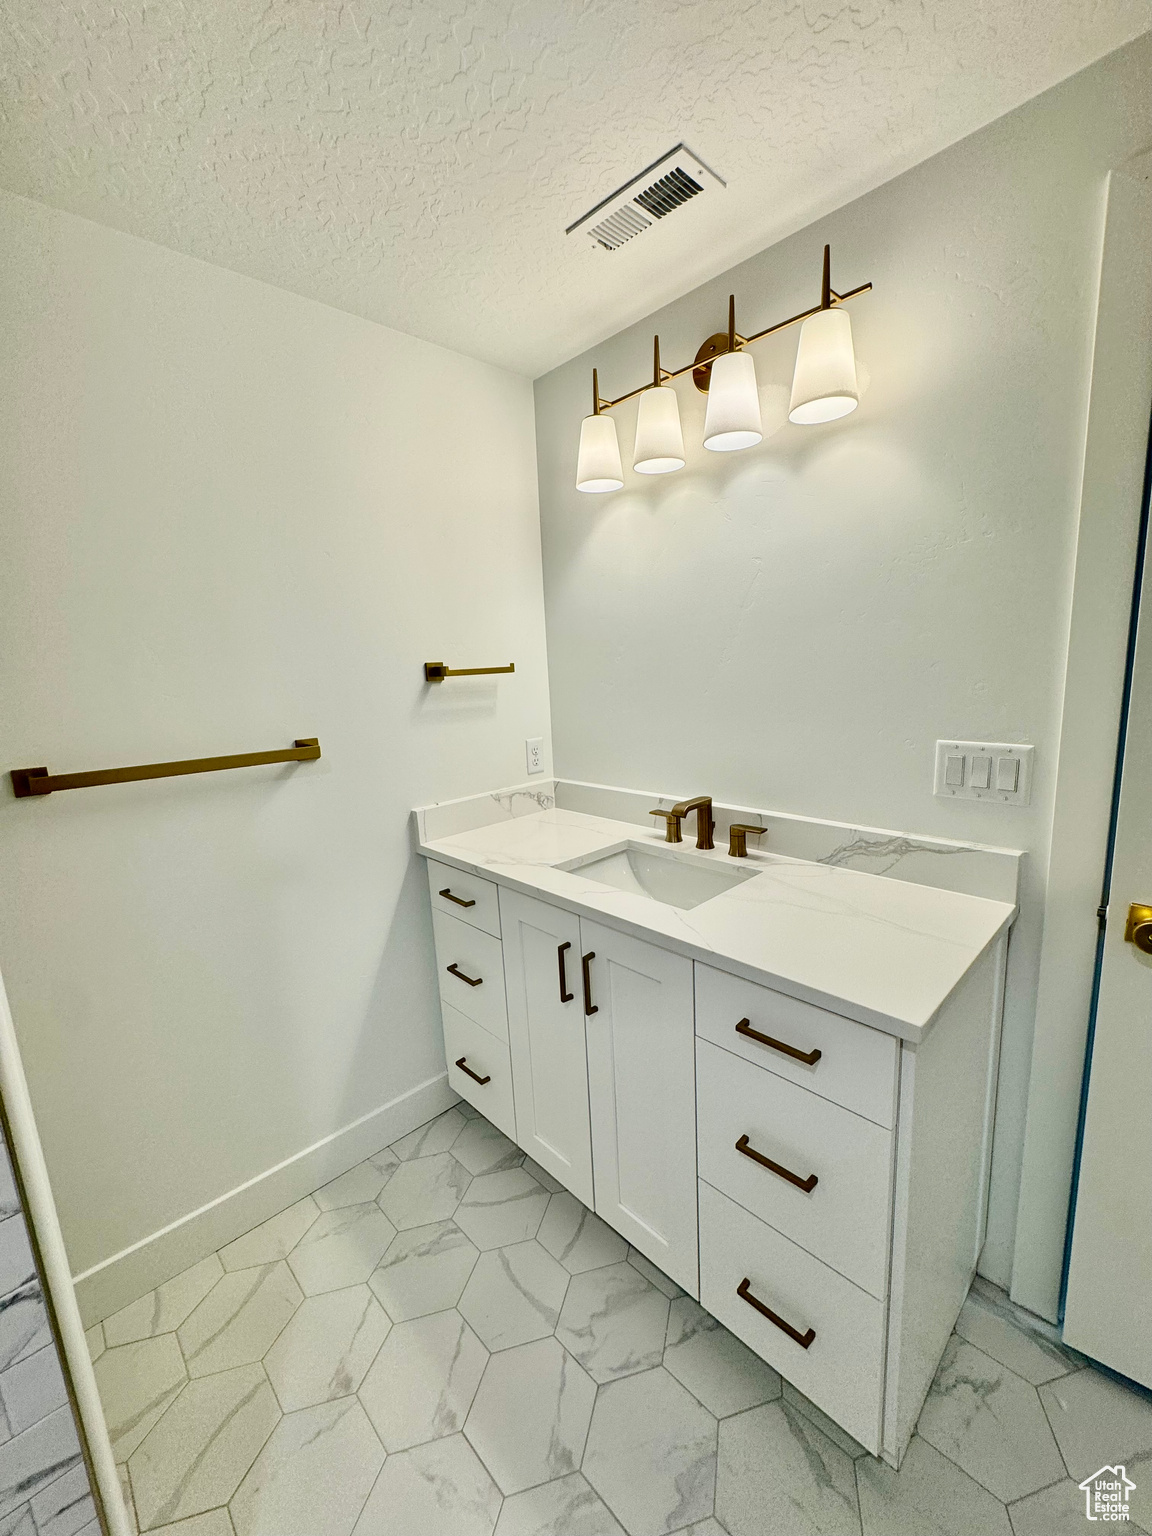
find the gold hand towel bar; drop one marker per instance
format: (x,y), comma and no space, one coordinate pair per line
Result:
(38,781)
(437,671)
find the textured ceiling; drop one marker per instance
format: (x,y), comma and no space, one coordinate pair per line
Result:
(417,163)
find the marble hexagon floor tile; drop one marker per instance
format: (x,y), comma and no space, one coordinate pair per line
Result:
(651,1454)
(215,1523)
(422,1382)
(614,1322)
(654,1276)
(197,1455)
(484,1149)
(437,1136)
(424,1269)
(542,1176)
(1096,1420)
(137,1383)
(426,1190)
(530,1417)
(359,1186)
(1055,1511)
(838,1436)
(990,1322)
(439,1489)
(990,1423)
(514,1295)
(570,1506)
(313,1476)
(340,1248)
(272,1239)
(240,1319)
(325,1351)
(929,1496)
(579,1239)
(165,1308)
(777,1472)
(713,1364)
(502,1208)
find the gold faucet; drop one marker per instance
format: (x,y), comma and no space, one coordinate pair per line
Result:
(702,805)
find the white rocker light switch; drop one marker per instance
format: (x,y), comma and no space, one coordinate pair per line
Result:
(984,770)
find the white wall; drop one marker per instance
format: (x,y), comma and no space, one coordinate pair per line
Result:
(232,517)
(796,625)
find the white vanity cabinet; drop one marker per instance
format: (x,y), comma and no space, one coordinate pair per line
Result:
(602,1040)
(818,1182)
(642,1089)
(546,1028)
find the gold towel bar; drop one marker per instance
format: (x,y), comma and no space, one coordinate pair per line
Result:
(38,781)
(437,671)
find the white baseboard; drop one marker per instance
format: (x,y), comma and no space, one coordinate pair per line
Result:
(116,1281)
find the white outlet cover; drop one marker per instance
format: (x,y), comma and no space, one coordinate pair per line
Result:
(1001,753)
(534,752)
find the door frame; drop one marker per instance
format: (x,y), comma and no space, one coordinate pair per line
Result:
(1113,494)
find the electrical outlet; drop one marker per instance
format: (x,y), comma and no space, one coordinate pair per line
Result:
(984,770)
(534,751)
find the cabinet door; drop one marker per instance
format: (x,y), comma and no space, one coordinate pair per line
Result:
(642,1089)
(546,1034)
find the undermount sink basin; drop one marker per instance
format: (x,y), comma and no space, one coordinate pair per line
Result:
(664,876)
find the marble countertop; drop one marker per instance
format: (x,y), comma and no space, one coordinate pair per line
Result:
(885,952)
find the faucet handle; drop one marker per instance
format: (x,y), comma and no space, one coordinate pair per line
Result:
(738,834)
(673,820)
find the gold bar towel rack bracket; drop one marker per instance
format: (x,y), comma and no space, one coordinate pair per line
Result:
(38,781)
(437,671)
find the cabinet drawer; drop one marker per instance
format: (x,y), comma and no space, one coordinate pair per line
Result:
(856,1065)
(467,897)
(844,1217)
(841,1370)
(465,1041)
(470,965)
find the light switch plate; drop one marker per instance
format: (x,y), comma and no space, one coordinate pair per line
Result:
(534,752)
(976,770)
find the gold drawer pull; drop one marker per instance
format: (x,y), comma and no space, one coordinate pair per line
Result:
(464,1067)
(809,1058)
(459,900)
(743,1290)
(473,981)
(807,1185)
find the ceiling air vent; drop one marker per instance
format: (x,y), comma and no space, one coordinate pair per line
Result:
(664,186)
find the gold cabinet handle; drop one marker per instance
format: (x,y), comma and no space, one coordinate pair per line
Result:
(809,1058)
(459,900)
(462,1063)
(744,1291)
(473,981)
(807,1185)
(1138,928)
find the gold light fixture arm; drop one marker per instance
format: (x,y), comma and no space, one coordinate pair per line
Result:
(829,298)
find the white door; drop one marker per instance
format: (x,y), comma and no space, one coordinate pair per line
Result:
(1108,1315)
(546,1034)
(642,1088)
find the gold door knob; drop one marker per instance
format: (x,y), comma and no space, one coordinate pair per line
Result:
(1138,928)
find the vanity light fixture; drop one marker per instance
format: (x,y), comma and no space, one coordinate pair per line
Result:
(659,440)
(824,388)
(598,466)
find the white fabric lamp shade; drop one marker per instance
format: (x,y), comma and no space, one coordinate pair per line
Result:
(824,385)
(733,417)
(659,440)
(598,466)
